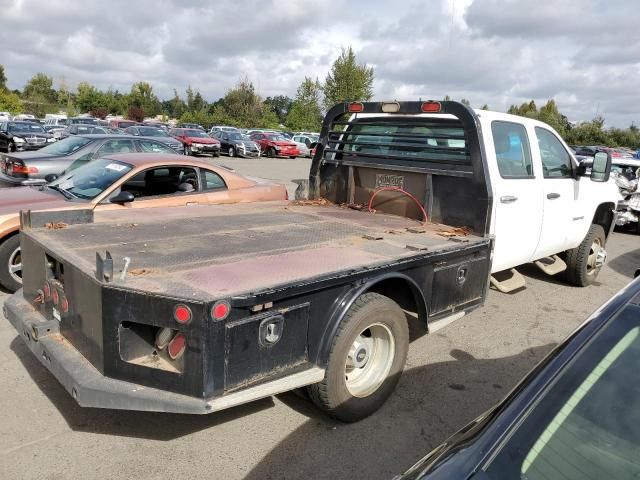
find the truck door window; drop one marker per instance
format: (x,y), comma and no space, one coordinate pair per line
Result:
(512,150)
(556,161)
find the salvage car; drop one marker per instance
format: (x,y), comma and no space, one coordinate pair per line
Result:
(237,144)
(121,123)
(275,144)
(156,133)
(83,121)
(575,416)
(22,136)
(32,168)
(196,141)
(626,174)
(229,304)
(120,181)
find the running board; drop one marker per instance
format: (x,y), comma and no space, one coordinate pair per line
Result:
(551,265)
(508,280)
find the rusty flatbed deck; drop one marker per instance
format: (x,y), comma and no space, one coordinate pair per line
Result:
(211,252)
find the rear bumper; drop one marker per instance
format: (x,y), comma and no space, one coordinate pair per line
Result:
(92,389)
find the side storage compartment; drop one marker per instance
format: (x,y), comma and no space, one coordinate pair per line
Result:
(459,282)
(268,344)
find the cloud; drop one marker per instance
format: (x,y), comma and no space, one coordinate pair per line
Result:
(583,53)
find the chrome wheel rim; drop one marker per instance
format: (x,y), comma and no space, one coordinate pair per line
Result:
(15,265)
(231,152)
(596,258)
(369,360)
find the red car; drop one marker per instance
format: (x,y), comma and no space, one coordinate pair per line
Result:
(274,144)
(196,141)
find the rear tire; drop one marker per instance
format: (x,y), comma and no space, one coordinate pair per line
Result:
(366,359)
(584,262)
(11,264)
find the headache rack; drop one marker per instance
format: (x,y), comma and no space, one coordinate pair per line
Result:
(402,137)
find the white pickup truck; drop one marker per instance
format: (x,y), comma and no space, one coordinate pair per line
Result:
(545,209)
(237,302)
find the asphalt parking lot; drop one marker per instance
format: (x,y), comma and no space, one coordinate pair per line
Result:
(452,376)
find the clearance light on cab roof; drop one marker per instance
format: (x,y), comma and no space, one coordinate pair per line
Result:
(430,107)
(391,107)
(356,107)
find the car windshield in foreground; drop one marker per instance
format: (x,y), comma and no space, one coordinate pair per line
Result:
(587,424)
(90,180)
(66,146)
(25,128)
(152,132)
(196,133)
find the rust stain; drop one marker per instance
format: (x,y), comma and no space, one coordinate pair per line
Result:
(136,272)
(55,225)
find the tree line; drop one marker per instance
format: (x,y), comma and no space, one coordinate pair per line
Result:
(243,106)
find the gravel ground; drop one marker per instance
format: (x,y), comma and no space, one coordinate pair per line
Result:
(452,376)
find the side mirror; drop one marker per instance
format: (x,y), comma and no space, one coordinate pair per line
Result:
(51,177)
(601,168)
(122,198)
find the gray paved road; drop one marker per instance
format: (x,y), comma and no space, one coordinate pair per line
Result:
(451,377)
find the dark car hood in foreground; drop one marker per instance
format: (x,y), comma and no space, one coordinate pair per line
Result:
(12,200)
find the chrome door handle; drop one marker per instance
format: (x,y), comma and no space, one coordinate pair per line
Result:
(508,199)
(553,196)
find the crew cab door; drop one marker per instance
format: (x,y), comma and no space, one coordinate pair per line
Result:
(517,192)
(563,217)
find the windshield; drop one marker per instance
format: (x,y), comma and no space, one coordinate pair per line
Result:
(65,146)
(84,121)
(90,180)
(25,128)
(277,137)
(152,132)
(196,133)
(239,136)
(586,425)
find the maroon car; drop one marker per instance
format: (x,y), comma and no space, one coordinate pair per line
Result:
(275,144)
(196,141)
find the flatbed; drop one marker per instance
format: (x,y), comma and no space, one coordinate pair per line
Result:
(248,250)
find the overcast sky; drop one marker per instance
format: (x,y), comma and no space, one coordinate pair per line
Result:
(583,53)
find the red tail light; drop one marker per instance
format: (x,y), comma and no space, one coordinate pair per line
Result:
(64,304)
(47,291)
(56,297)
(177,346)
(220,310)
(19,168)
(182,314)
(356,107)
(430,107)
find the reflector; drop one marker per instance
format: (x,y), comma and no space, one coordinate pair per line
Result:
(220,310)
(56,297)
(163,337)
(47,291)
(64,304)
(177,346)
(182,314)
(356,107)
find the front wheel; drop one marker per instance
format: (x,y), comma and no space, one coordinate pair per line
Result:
(585,261)
(11,264)
(188,151)
(11,147)
(231,152)
(271,152)
(366,360)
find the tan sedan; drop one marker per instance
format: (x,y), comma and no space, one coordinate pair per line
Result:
(124,181)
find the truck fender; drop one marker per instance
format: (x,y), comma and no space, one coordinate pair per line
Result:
(414,302)
(605,217)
